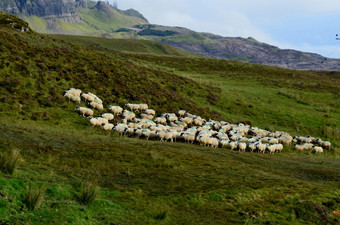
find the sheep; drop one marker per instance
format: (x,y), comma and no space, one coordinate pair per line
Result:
(308,146)
(133,107)
(130,131)
(242,146)
(150,112)
(96,99)
(271,149)
(273,141)
(146,116)
(285,139)
(161,120)
(96,105)
(233,145)
(143,107)
(129,116)
(252,147)
(146,133)
(108,126)
(188,137)
(117,110)
(213,142)
(161,135)
(224,143)
(74,91)
(87,97)
(181,113)
(121,128)
(198,122)
(95,122)
(102,120)
(85,111)
(299,147)
(132,125)
(261,147)
(326,144)
(279,147)
(169,136)
(187,120)
(72,97)
(108,116)
(318,149)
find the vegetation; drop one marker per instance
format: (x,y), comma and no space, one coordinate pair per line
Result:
(125,45)
(10,161)
(151,32)
(150,182)
(88,193)
(34,196)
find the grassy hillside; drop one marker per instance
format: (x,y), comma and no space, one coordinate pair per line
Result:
(124,45)
(150,182)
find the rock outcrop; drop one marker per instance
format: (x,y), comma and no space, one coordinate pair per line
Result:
(51,11)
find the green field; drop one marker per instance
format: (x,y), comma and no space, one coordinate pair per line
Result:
(151,182)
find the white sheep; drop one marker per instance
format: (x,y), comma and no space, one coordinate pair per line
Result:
(299,147)
(160,120)
(150,112)
(326,144)
(95,122)
(271,149)
(87,97)
(233,145)
(108,116)
(143,107)
(121,128)
(85,111)
(108,126)
(146,116)
(261,147)
(242,146)
(72,97)
(318,149)
(117,110)
(96,105)
(181,113)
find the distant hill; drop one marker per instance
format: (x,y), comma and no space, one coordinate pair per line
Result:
(92,18)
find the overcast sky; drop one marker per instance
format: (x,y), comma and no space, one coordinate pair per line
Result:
(307,25)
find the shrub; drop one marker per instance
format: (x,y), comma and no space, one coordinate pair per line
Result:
(88,193)
(34,196)
(9,162)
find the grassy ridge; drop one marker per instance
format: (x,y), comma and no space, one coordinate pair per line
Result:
(124,45)
(149,182)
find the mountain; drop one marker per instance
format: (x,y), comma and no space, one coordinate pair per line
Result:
(91,18)
(239,49)
(84,17)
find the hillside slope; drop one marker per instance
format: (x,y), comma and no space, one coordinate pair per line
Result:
(91,18)
(153,182)
(125,45)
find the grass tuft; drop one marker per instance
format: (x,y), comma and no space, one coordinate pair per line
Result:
(88,194)
(9,162)
(34,196)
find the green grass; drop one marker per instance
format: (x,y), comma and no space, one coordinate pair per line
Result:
(123,45)
(151,182)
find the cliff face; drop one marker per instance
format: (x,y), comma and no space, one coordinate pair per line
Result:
(61,10)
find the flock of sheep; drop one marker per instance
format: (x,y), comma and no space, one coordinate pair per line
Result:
(140,121)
